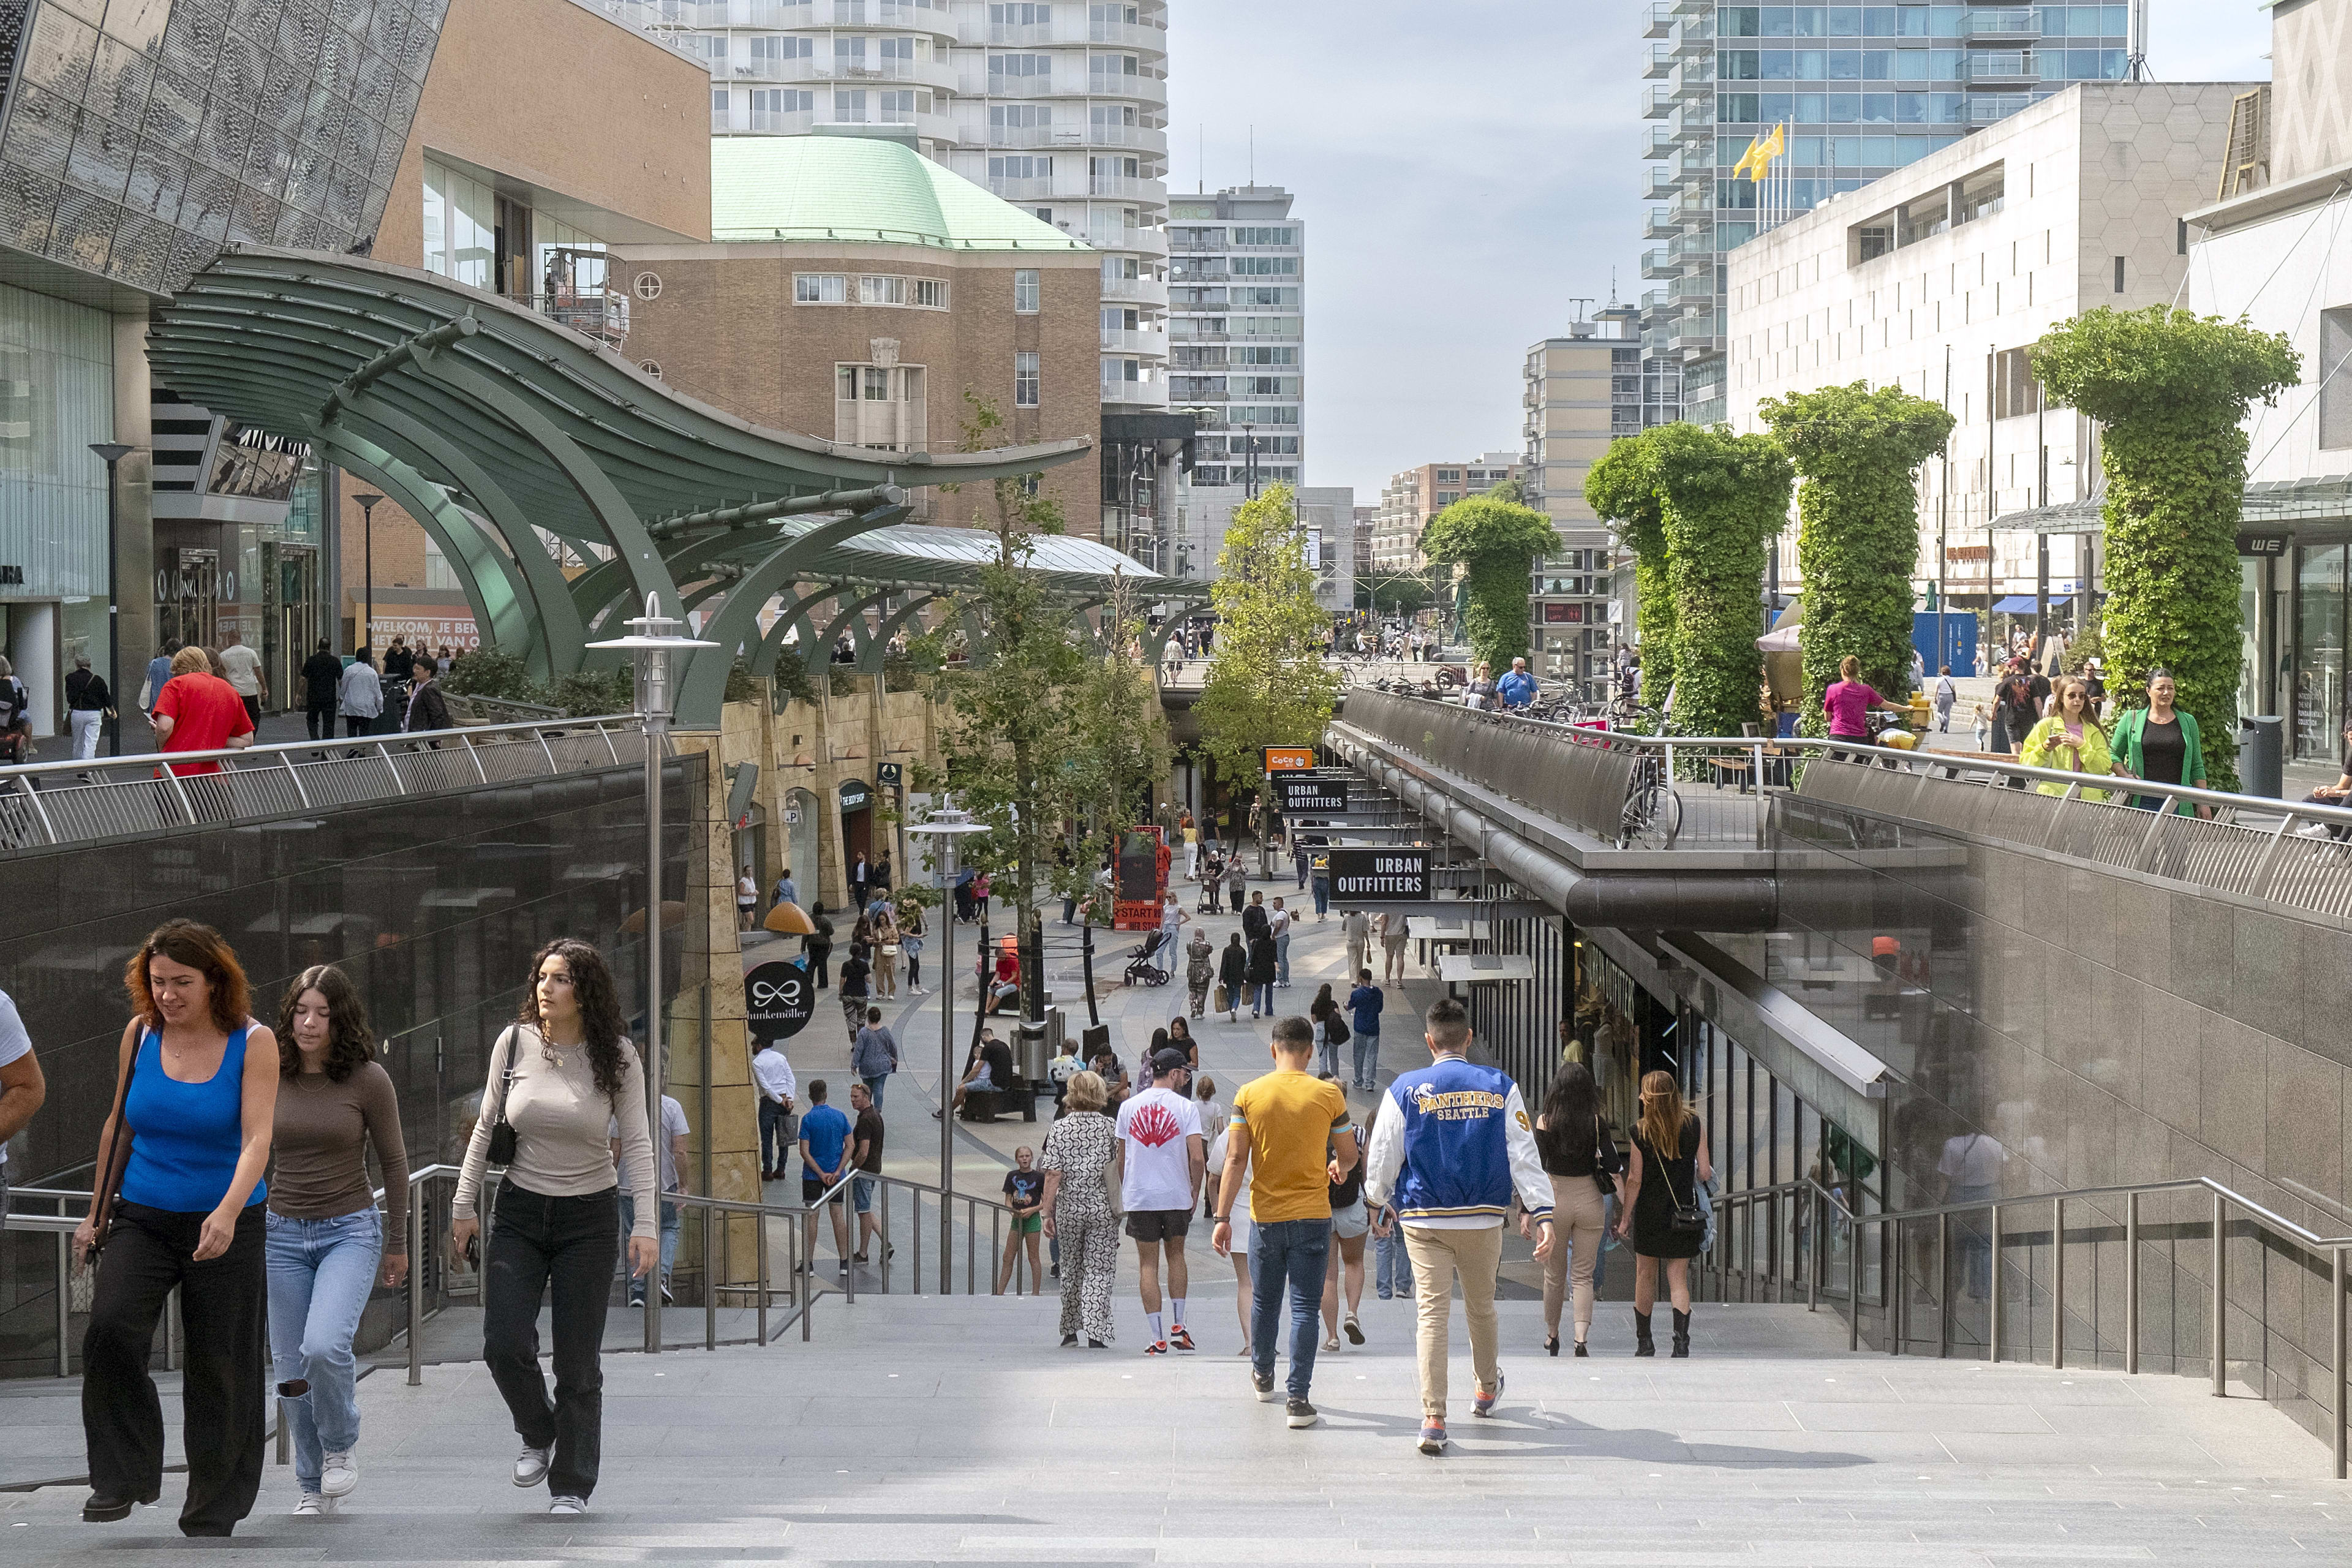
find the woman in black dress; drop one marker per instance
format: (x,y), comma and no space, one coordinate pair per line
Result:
(1668,1166)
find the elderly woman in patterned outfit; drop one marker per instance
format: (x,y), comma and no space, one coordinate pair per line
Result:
(1077,1208)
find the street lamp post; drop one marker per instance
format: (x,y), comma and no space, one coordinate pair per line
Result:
(112,453)
(650,643)
(367,499)
(944,827)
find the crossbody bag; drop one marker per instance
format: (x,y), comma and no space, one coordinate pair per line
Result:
(1686,1220)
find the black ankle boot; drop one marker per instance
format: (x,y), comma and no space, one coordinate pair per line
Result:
(1643,1345)
(1682,1336)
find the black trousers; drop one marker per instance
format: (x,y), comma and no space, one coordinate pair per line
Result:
(224,1304)
(354,726)
(321,718)
(568,1246)
(775,1135)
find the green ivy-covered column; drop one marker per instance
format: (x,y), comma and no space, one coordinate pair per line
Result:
(1497,544)
(1623,487)
(2171,388)
(1723,495)
(1858,527)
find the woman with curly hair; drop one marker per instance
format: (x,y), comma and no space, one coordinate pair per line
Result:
(560,1075)
(178,1203)
(324,1237)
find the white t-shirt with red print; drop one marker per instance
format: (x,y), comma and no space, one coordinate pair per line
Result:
(1156,1127)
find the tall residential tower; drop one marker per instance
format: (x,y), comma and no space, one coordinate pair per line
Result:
(1058,105)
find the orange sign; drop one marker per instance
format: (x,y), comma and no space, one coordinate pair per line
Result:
(1289,759)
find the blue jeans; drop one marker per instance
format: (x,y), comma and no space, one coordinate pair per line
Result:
(1292,1253)
(671,1225)
(1262,1000)
(1282,959)
(1391,1265)
(1327,1057)
(321,1273)
(1368,1058)
(875,1086)
(1322,895)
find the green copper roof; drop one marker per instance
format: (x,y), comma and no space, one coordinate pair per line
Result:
(860,188)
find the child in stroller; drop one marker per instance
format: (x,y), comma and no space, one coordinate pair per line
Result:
(1140,964)
(1213,873)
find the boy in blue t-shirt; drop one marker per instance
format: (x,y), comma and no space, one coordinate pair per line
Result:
(825,1159)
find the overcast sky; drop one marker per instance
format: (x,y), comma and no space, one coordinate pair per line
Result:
(1466,168)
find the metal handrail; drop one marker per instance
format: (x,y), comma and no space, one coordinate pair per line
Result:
(406,740)
(2225,1200)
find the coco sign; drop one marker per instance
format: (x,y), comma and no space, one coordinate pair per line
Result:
(778,1000)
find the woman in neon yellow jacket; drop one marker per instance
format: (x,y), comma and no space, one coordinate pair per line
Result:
(2070,740)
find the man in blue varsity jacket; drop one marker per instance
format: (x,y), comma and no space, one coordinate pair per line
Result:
(1448,1150)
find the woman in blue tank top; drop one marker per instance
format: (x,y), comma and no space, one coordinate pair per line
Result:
(196,1093)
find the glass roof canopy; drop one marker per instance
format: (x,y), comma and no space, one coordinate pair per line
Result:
(488,422)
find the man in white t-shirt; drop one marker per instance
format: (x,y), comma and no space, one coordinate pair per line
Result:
(21,1087)
(1157,1163)
(1278,923)
(244,666)
(669,1157)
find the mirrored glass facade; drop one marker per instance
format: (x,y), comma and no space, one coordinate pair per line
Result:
(142,135)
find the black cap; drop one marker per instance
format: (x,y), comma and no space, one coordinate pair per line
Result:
(1170,1060)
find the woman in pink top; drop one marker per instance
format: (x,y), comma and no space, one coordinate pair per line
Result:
(1849,703)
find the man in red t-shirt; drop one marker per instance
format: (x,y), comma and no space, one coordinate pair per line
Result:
(199,711)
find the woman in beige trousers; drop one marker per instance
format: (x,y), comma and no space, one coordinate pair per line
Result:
(1583,1163)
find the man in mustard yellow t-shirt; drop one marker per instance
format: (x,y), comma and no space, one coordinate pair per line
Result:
(1291,1137)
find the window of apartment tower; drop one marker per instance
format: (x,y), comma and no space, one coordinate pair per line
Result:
(1024,379)
(878,406)
(1024,290)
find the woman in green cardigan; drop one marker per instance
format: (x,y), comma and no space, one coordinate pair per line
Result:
(2160,744)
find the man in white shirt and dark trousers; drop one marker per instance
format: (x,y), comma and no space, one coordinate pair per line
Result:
(777,1086)
(1448,1151)
(1157,1163)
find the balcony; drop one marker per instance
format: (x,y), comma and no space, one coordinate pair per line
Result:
(1136,138)
(1694,89)
(1155,344)
(1140,241)
(1695,128)
(1695,334)
(1128,35)
(1660,20)
(1654,301)
(1136,393)
(1140,291)
(1662,62)
(1658,141)
(1040,188)
(1691,290)
(1129,186)
(1663,183)
(2004,68)
(1657,103)
(938,75)
(1659,263)
(1661,223)
(1696,40)
(2016,24)
(1141,87)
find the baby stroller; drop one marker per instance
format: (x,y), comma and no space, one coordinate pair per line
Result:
(1139,965)
(1212,886)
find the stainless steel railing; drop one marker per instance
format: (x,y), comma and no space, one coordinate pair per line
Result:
(1807,1217)
(44,804)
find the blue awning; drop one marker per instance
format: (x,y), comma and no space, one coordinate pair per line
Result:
(2015,604)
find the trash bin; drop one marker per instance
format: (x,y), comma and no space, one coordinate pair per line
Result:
(2260,754)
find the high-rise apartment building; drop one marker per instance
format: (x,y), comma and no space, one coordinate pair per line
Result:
(1580,392)
(1237,348)
(1863,90)
(1060,106)
(1414,496)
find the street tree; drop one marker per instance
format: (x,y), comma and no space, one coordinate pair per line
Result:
(1858,450)
(1496,543)
(1267,683)
(1720,496)
(1623,487)
(2170,389)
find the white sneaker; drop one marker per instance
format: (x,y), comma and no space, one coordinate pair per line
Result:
(568,1505)
(340,1474)
(531,1466)
(311,1505)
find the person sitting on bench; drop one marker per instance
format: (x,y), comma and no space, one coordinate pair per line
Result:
(991,1072)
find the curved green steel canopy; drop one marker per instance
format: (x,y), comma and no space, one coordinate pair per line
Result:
(496,427)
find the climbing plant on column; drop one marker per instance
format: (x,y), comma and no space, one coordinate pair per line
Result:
(1721,495)
(2169,388)
(1496,543)
(1858,526)
(1623,487)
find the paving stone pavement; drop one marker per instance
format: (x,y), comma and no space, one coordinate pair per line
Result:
(918,1431)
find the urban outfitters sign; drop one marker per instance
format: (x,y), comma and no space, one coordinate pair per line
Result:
(1385,875)
(1312,796)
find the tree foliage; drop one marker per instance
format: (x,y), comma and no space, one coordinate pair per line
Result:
(1721,496)
(1623,487)
(1267,684)
(2171,387)
(1858,526)
(1496,543)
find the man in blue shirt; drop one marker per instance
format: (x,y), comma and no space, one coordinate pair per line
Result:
(1364,1004)
(825,1159)
(1518,688)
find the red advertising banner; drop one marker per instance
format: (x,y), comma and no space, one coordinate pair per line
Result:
(1140,879)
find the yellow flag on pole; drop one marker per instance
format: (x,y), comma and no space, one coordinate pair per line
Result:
(1761,152)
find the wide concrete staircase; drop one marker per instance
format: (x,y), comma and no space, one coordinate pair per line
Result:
(917,1430)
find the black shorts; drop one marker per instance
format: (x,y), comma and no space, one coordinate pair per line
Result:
(1159,1224)
(811,1190)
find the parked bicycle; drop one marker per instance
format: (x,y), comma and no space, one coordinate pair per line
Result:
(1651,807)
